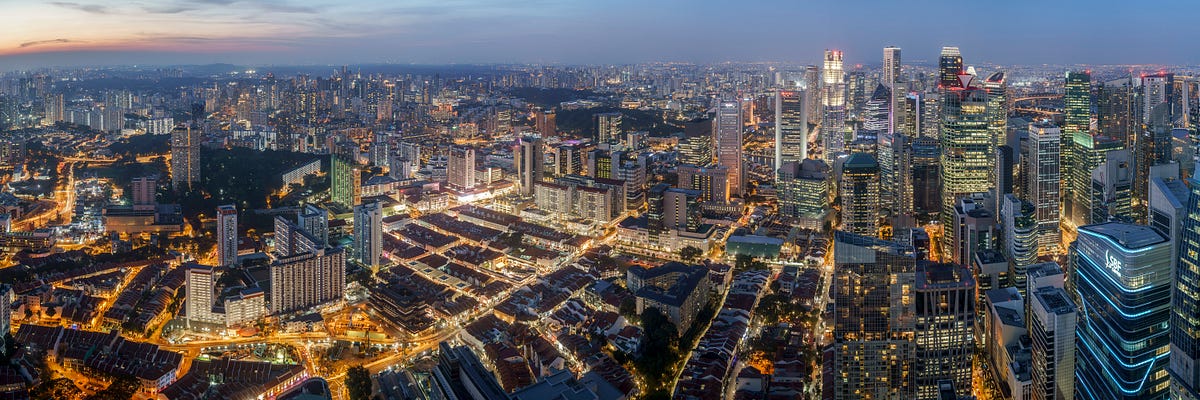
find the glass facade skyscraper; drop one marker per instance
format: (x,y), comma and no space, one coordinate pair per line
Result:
(1185,301)
(967,147)
(1121,274)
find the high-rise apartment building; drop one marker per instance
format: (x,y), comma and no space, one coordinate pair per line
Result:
(1121,274)
(200,283)
(185,158)
(460,170)
(791,127)
(368,234)
(529,160)
(307,279)
(227,235)
(144,190)
(608,127)
(345,181)
(859,191)
(727,128)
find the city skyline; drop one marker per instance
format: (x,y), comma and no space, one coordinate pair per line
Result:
(268,32)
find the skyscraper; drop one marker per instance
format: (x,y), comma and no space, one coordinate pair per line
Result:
(997,91)
(1158,89)
(876,122)
(950,65)
(791,127)
(200,281)
(1090,152)
(803,190)
(944,299)
(1020,236)
(891,66)
(368,233)
(307,279)
(1122,276)
(833,116)
(608,127)
(185,157)
(460,170)
(1052,330)
(728,131)
(344,180)
(873,332)
(1076,119)
(925,167)
(967,147)
(227,235)
(1111,189)
(713,183)
(529,160)
(859,191)
(1185,300)
(1042,187)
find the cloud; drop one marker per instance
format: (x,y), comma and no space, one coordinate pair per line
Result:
(175,9)
(91,8)
(46,42)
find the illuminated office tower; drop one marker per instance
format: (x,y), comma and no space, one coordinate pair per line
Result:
(856,91)
(833,100)
(567,160)
(1052,330)
(1090,152)
(891,66)
(1158,89)
(368,233)
(712,182)
(1111,190)
(972,228)
(1168,197)
(185,157)
(1185,317)
(1118,109)
(813,93)
(1121,274)
(1076,118)
(944,300)
(529,159)
(803,190)
(608,127)
(696,146)
(1077,112)
(997,92)
(967,148)
(727,128)
(544,122)
(227,235)
(873,328)
(925,168)
(877,122)
(345,181)
(950,66)
(460,170)
(791,127)
(911,119)
(1042,187)
(859,191)
(931,114)
(1020,246)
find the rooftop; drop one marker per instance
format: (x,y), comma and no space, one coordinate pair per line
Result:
(1128,236)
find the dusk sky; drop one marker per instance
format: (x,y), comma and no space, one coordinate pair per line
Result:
(256,32)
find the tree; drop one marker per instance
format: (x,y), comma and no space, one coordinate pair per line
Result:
(746,262)
(690,253)
(628,309)
(122,387)
(358,383)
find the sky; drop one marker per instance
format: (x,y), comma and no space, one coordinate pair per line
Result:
(35,33)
